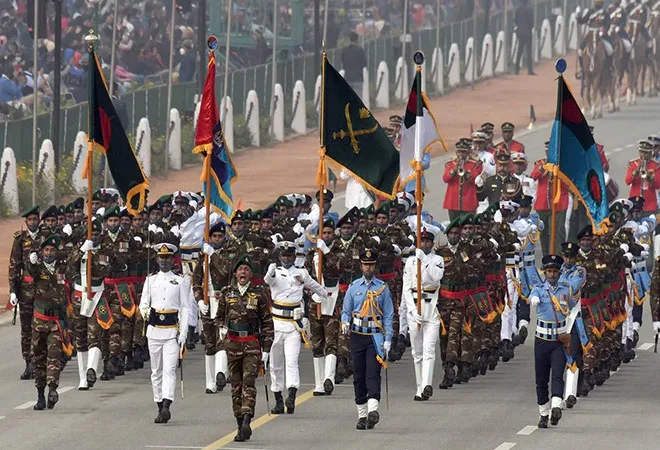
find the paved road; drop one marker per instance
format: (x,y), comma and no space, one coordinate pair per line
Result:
(493,412)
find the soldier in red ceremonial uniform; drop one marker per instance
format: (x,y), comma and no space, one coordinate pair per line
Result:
(543,204)
(460,172)
(508,143)
(643,176)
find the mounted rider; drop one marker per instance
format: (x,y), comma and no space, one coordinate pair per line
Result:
(638,15)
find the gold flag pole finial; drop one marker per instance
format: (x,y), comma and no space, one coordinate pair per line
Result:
(91,40)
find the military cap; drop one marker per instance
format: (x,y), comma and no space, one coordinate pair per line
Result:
(518,157)
(34,211)
(397,120)
(508,206)
(157,206)
(124,212)
(406,199)
(307,200)
(384,209)
(69,208)
(502,155)
(547,144)
(112,212)
(508,126)
(370,210)
(78,203)
(327,194)
(429,231)
(200,194)
(282,200)
(52,211)
(247,215)
(478,219)
(256,214)
(181,197)
(463,145)
(569,249)
(349,218)
(242,261)
(525,201)
(645,145)
(219,227)
(165,249)
(638,202)
(165,199)
(453,224)
(195,196)
(479,136)
(586,232)
(467,141)
(238,216)
(620,207)
(552,261)
(109,193)
(267,213)
(97,195)
(368,256)
(467,219)
(96,225)
(329,223)
(53,240)
(286,247)
(363,213)
(487,216)
(654,139)
(61,210)
(488,126)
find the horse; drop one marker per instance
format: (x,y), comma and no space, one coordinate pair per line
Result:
(621,58)
(654,31)
(597,72)
(640,59)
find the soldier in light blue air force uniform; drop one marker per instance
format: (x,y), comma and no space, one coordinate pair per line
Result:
(367,315)
(553,300)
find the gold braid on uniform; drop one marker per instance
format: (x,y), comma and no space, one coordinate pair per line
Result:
(370,309)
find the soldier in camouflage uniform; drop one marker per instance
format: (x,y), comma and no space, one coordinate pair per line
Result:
(220,256)
(21,284)
(244,320)
(50,338)
(140,268)
(324,328)
(252,244)
(654,296)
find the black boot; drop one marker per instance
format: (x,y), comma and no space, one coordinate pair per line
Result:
(427,393)
(555,416)
(474,368)
(118,364)
(239,435)
(145,352)
(342,370)
(91,378)
(53,397)
(279,404)
(635,338)
(220,381)
(493,358)
(129,365)
(522,334)
(483,362)
(361,424)
(160,408)
(466,372)
(543,422)
(246,431)
(138,358)
(515,340)
(372,419)
(571,401)
(401,345)
(392,354)
(27,373)
(41,399)
(407,339)
(164,414)
(448,380)
(105,376)
(190,339)
(291,401)
(507,350)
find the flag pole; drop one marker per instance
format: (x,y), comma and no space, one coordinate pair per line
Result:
(418,58)
(321,175)
(560,66)
(91,39)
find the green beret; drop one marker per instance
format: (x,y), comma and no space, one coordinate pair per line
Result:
(34,211)
(167,198)
(384,209)
(96,225)
(242,261)
(467,219)
(52,211)
(112,212)
(453,224)
(52,240)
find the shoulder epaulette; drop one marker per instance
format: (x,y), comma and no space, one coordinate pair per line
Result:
(17,234)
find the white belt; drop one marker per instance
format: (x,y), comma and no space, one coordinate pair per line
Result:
(529,258)
(95,289)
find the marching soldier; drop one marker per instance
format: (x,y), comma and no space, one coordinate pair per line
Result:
(502,185)
(50,336)
(425,324)
(553,301)
(519,161)
(643,176)
(543,203)
(164,305)
(459,174)
(244,320)
(508,143)
(21,283)
(367,315)
(286,286)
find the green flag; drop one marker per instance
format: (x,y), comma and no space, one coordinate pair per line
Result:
(354,139)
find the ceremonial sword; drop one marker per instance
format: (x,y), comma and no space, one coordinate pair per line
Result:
(181,367)
(262,371)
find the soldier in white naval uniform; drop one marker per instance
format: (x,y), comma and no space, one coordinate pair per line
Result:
(165,305)
(424,328)
(286,286)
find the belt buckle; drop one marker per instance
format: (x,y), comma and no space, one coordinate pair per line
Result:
(364,323)
(242,334)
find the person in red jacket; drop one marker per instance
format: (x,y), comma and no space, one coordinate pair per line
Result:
(508,143)
(543,205)
(601,152)
(643,176)
(461,194)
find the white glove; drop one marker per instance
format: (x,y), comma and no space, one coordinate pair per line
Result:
(419,254)
(644,254)
(66,229)
(33,258)
(297,314)
(145,312)
(137,239)
(417,318)
(577,10)
(387,345)
(345,328)
(319,298)
(376,238)
(275,238)
(321,245)
(264,358)
(533,228)
(203,307)
(175,231)
(159,230)
(656,326)
(646,247)
(298,229)
(13,299)
(397,249)
(182,337)
(305,322)
(479,181)
(152,227)
(624,247)
(207,249)
(100,211)
(516,247)
(271,270)
(193,204)
(87,246)
(535,300)
(223,333)
(494,242)
(629,256)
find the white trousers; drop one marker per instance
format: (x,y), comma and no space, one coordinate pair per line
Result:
(403,318)
(164,359)
(423,341)
(509,320)
(284,353)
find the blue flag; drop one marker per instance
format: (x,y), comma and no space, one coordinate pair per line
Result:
(574,159)
(222,175)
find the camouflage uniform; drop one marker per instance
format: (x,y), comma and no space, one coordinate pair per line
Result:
(132,340)
(654,296)
(257,250)
(22,284)
(247,315)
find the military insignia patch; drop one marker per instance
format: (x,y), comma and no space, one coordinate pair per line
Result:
(174,282)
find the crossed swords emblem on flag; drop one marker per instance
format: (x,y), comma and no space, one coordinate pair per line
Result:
(352,133)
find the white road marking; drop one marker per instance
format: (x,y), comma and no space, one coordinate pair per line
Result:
(645,346)
(26,405)
(2,417)
(505,446)
(630,145)
(617,150)
(529,429)
(64,389)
